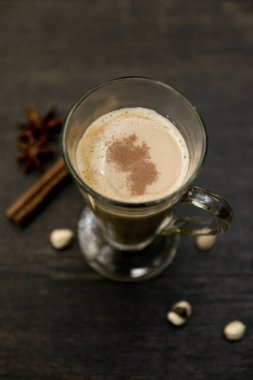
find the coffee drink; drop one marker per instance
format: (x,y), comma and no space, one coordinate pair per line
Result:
(134,146)
(133,155)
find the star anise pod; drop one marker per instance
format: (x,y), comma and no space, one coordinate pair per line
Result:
(46,126)
(33,151)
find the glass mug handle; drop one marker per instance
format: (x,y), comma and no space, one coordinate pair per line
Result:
(218,208)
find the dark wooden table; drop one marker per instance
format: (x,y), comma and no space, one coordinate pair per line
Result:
(60,320)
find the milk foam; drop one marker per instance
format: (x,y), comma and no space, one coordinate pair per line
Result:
(167,150)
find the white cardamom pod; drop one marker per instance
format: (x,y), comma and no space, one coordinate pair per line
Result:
(180,313)
(61,238)
(234,330)
(205,242)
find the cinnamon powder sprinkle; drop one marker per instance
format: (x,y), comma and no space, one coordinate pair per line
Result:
(134,159)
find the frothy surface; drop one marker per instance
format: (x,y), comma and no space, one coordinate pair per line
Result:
(133,155)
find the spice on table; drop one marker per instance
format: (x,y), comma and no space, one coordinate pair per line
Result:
(33,151)
(33,140)
(180,313)
(205,242)
(41,126)
(234,330)
(32,200)
(61,238)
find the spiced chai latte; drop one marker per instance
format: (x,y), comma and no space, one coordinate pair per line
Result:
(133,155)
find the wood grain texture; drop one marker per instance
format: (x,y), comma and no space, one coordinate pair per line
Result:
(58,319)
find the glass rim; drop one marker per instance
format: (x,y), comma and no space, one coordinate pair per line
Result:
(115,202)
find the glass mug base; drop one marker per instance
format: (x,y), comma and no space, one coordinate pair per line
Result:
(119,265)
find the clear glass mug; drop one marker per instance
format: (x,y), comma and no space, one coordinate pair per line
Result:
(129,241)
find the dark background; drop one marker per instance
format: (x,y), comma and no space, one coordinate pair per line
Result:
(60,320)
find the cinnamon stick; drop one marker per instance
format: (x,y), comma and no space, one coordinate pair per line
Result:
(32,200)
